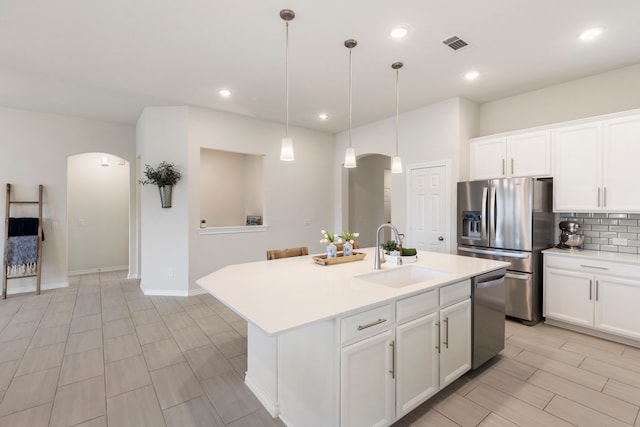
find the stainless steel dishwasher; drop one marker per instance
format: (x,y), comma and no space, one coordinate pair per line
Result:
(488,296)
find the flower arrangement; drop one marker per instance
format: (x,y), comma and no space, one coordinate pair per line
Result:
(329,237)
(347,236)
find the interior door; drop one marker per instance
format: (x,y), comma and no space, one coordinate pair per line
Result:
(428,209)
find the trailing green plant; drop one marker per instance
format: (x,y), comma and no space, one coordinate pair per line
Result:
(164,174)
(390,245)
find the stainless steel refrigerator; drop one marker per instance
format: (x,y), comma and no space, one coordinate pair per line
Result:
(509,220)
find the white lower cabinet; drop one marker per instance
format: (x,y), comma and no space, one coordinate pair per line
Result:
(602,296)
(417,362)
(569,296)
(385,376)
(366,382)
(455,350)
(617,302)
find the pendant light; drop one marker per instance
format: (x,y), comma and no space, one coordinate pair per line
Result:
(396,162)
(350,155)
(286,151)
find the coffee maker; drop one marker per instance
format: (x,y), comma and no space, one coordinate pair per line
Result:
(570,236)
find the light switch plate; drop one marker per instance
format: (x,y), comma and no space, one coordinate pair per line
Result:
(619,241)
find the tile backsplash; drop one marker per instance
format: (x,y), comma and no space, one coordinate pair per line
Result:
(601,228)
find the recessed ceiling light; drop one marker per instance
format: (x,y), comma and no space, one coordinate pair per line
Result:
(590,34)
(471,75)
(323,116)
(225,93)
(399,32)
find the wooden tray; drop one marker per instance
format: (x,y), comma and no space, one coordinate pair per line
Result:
(323,260)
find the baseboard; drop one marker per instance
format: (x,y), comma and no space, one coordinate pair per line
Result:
(163,292)
(273,409)
(197,291)
(32,287)
(98,270)
(133,276)
(592,332)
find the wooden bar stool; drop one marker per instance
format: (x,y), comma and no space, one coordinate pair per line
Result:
(287,253)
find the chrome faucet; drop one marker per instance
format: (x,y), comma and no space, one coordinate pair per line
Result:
(377,261)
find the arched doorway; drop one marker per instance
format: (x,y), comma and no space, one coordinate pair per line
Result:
(369,197)
(97,213)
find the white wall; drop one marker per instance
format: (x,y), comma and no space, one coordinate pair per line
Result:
(222,188)
(230,187)
(294,192)
(98,213)
(436,132)
(609,92)
(366,197)
(162,135)
(33,150)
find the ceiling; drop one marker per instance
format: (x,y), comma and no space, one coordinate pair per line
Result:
(109,59)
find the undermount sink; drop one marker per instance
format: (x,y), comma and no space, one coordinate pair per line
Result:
(402,276)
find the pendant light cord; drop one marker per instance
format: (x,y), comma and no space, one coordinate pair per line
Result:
(397,110)
(286,79)
(350,94)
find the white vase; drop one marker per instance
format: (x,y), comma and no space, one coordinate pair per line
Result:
(347,249)
(332,251)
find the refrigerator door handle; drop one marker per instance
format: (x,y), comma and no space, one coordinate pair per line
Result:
(483,225)
(498,253)
(492,217)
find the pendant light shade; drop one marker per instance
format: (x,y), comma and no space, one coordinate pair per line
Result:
(396,164)
(286,151)
(350,155)
(396,161)
(350,158)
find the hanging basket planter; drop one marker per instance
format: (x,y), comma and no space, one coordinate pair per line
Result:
(165,176)
(165,195)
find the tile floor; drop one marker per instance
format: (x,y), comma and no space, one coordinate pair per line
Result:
(101,353)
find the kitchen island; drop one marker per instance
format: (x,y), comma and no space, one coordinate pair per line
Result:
(343,345)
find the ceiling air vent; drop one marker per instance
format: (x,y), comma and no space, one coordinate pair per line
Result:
(455,42)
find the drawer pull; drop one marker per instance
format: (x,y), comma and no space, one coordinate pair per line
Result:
(446,334)
(392,371)
(368,325)
(593,266)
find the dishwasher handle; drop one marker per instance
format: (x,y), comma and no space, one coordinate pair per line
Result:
(488,283)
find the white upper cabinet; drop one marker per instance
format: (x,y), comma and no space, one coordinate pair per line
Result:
(594,163)
(620,159)
(517,155)
(578,168)
(488,158)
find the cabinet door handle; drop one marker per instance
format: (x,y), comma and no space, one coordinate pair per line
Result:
(512,166)
(593,266)
(596,289)
(503,167)
(446,333)
(438,341)
(604,197)
(374,323)
(598,196)
(392,371)
(590,290)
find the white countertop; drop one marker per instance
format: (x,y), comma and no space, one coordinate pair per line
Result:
(601,255)
(283,294)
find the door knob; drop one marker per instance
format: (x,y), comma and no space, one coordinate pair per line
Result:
(441,238)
